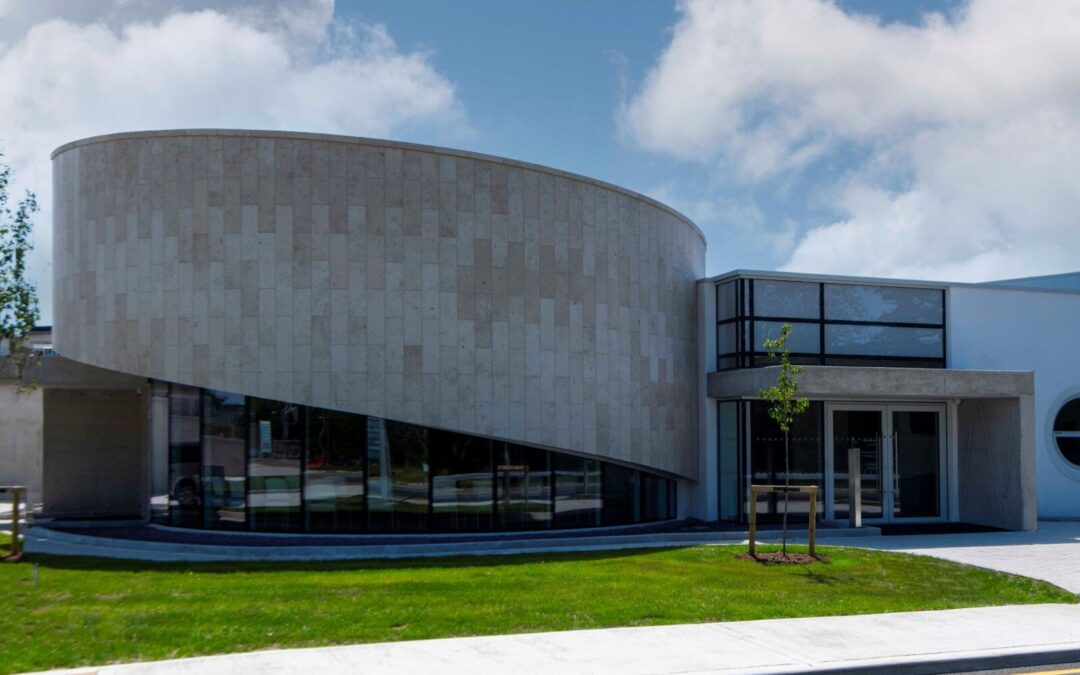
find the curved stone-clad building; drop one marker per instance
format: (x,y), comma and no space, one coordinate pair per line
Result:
(458,293)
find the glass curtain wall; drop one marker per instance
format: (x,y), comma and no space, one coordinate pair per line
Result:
(831,323)
(275,450)
(334,484)
(249,463)
(224,467)
(461,482)
(522,487)
(577,492)
(185,457)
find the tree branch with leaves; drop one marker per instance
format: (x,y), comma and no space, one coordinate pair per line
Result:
(784,405)
(18,297)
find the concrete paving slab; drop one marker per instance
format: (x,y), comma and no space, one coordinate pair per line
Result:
(902,642)
(1051,553)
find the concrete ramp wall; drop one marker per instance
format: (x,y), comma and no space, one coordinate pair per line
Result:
(996,462)
(95,458)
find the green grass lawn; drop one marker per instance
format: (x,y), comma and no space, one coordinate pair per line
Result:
(93,611)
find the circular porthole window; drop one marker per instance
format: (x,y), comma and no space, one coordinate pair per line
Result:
(1067,432)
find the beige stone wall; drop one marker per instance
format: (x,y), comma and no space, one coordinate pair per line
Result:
(432,286)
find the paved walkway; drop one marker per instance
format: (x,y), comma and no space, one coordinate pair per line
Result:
(907,642)
(1052,553)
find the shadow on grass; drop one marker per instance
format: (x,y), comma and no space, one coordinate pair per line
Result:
(231,567)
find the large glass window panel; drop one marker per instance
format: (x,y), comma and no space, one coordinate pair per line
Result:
(622,495)
(461,486)
(275,451)
(523,487)
(727,300)
(577,491)
(397,476)
(804,338)
(658,498)
(884,341)
(916,464)
(726,337)
(334,471)
(224,469)
(849,302)
(767,459)
(185,457)
(728,450)
(787,299)
(860,430)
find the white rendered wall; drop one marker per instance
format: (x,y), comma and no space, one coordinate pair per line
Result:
(1001,329)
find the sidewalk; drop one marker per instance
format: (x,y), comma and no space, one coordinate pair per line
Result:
(909,642)
(1052,553)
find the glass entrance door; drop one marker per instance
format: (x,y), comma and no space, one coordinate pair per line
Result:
(864,431)
(916,464)
(901,449)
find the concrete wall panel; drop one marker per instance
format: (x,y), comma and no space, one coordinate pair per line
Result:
(95,453)
(432,286)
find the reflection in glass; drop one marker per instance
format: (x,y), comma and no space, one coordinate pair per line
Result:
(397,476)
(726,334)
(248,463)
(884,341)
(523,487)
(728,454)
(334,471)
(787,299)
(577,492)
(275,449)
(805,338)
(916,460)
(849,302)
(461,487)
(767,459)
(861,429)
(622,495)
(185,457)
(727,300)
(224,469)
(658,499)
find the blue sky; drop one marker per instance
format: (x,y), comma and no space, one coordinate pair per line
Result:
(923,139)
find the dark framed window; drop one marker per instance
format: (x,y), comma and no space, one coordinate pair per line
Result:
(577,492)
(523,487)
(1067,432)
(399,485)
(832,323)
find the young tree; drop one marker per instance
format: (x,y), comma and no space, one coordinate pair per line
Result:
(784,405)
(18,297)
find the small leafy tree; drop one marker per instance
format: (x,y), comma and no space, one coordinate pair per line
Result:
(784,405)
(18,297)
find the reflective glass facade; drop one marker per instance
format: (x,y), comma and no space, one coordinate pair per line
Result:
(831,323)
(240,462)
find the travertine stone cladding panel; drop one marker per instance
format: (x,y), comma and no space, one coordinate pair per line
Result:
(425,285)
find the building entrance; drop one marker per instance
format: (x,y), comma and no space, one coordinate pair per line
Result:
(901,451)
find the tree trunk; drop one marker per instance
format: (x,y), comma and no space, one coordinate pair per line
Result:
(787,488)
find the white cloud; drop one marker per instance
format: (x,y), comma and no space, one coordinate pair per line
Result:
(286,66)
(978,112)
